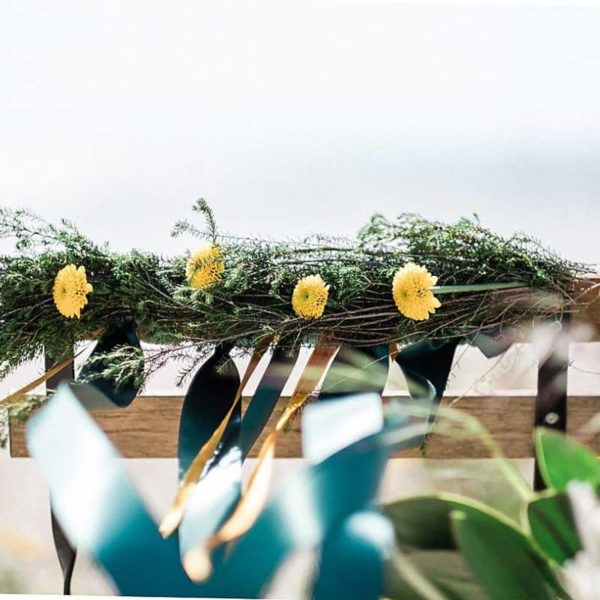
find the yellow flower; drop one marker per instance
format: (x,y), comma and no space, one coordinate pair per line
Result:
(412,292)
(310,297)
(70,291)
(204,267)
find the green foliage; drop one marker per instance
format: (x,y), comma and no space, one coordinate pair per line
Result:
(446,570)
(424,521)
(202,207)
(552,526)
(481,254)
(502,558)
(124,366)
(468,550)
(252,303)
(17,411)
(137,283)
(562,460)
(455,526)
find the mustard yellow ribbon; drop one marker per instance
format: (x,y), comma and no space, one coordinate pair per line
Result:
(173,517)
(16,396)
(197,562)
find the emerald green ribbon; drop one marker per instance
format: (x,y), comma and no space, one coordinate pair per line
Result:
(426,367)
(207,401)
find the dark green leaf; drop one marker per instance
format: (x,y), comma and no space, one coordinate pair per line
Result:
(553,527)
(424,521)
(500,557)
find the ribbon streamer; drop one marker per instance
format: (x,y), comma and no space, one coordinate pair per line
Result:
(265,398)
(124,539)
(427,365)
(117,335)
(256,531)
(103,393)
(196,467)
(16,396)
(352,558)
(65,552)
(207,402)
(220,487)
(255,496)
(355,372)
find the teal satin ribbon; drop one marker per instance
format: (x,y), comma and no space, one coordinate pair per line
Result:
(207,401)
(372,370)
(315,507)
(103,393)
(102,513)
(209,397)
(426,366)
(427,361)
(265,398)
(353,558)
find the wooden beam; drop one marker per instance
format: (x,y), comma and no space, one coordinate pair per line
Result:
(148,428)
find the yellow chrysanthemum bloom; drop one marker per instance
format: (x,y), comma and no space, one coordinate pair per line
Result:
(412,292)
(204,267)
(70,291)
(310,297)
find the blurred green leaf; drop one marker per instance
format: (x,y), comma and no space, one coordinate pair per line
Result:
(424,521)
(482,481)
(553,527)
(501,558)
(427,524)
(447,570)
(561,460)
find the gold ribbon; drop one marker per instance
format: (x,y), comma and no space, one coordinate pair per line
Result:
(197,561)
(173,517)
(16,396)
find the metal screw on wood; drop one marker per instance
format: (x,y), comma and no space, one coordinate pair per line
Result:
(551,418)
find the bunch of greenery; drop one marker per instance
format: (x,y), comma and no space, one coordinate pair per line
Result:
(452,547)
(251,302)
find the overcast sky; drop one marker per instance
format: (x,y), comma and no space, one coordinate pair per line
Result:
(301,117)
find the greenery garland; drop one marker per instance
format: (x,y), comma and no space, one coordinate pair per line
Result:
(400,281)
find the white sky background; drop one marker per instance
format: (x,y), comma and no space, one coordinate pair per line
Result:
(299,117)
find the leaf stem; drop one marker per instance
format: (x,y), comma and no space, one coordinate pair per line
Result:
(477,287)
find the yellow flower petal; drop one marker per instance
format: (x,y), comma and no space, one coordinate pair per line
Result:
(70,291)
(204,267)
(310,297)
(412,293)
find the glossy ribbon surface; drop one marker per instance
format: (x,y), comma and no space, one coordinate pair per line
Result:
(328,505)
(102,513)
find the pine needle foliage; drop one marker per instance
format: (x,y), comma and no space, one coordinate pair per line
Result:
(252,302)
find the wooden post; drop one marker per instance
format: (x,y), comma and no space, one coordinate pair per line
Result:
(66,374)
(551,404)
